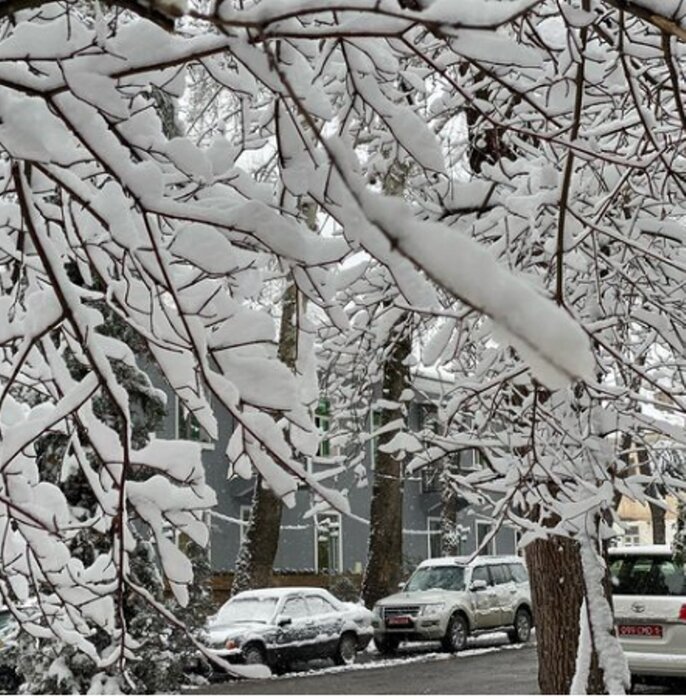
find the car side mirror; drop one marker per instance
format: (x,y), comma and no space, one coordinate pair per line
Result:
(401,585)
(284,621)
(478,585)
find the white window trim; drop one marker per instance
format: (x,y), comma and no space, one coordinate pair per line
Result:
(328,514)
(488,525)
(431,519)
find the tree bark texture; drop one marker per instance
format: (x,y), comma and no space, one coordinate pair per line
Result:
(557,592)
(385,546)
(255,562)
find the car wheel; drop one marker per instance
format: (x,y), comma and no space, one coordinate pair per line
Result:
(522,626)
(253,654)
(455,638)
(386,645)
(347,650)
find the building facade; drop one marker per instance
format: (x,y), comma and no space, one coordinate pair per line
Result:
(328,541)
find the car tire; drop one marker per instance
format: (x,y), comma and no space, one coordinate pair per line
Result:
(456,634)
(347,650)
(521,633)
(254,654)
(386,645)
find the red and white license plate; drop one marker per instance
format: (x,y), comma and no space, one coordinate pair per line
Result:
(654,631)
(398,620)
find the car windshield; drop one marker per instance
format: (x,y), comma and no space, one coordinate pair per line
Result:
(647,575)
(247,610)
(447,578)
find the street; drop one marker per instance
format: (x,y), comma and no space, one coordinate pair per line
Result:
(489,666)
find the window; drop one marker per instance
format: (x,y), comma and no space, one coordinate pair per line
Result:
(428,417)
(500,574)
(431,478)
(647,575)
(328,545)
(375,418)
(482,531)
(319,606)
(518,573)
(434,543)
(187,426)
(480,573)
(631,536)
(295,608)
(469,459)
(245,519)
(322,419)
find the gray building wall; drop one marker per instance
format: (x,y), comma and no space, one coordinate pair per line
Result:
(298,543)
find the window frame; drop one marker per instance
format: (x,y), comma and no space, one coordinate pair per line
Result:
(328,515)
(433,519)
(487,524)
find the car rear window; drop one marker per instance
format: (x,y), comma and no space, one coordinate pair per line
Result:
(647,575)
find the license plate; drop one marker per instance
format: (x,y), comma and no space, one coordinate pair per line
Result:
(654,631)
(398,620)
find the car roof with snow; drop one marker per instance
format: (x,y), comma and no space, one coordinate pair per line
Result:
(473,561)
(279,592)
(643,550)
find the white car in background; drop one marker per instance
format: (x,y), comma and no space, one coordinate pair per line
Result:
(649,596)
(273,626)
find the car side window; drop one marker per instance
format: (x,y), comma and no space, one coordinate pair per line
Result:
(319,606)
(499,574)
(518,573)
(481,572)
(295,608)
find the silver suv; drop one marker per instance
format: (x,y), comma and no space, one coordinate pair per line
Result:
(451,598)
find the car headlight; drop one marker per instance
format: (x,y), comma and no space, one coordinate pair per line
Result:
(432,609)
(232,644)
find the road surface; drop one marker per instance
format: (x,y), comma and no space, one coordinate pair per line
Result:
(490,666)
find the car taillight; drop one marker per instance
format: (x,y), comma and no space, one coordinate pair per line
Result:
(682,613)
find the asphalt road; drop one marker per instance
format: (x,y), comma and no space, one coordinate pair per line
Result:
(499,670)
(490,666)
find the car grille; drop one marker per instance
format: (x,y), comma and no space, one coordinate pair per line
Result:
(410,610)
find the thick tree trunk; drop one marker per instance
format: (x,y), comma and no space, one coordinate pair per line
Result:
(258,550)
(385,549)
(557,592)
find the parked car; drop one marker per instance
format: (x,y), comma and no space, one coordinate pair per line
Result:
(649,597)
(273,626)
(449,599)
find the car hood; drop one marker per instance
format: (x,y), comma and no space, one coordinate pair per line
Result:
(216,634)
(420,597)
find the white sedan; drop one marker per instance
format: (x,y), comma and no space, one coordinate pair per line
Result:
(272,626)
